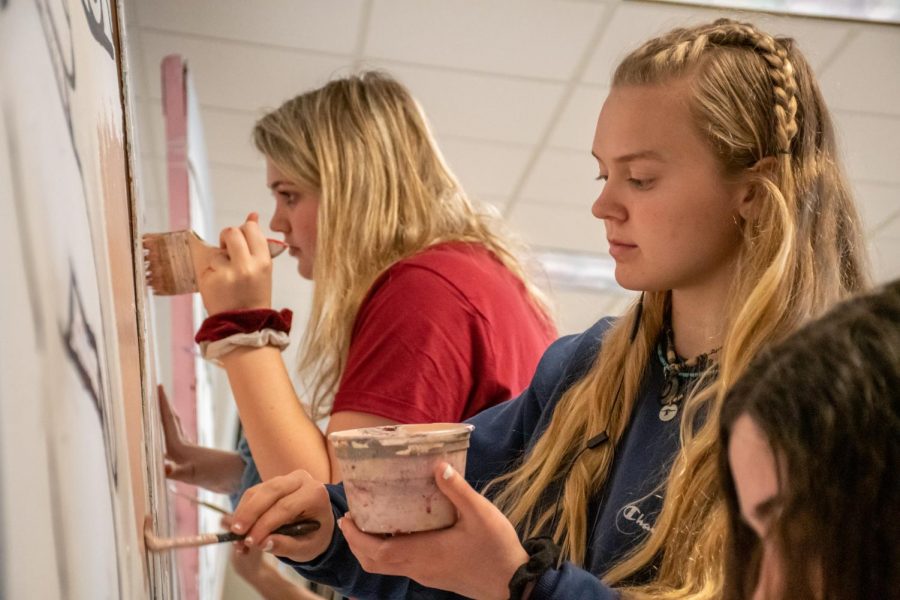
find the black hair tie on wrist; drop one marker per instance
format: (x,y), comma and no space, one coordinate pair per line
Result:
(543,555)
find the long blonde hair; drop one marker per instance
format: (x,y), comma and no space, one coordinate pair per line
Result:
(385,194)
(753,97)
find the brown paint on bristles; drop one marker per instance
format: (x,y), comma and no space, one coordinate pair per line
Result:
(155,543)
(174,259)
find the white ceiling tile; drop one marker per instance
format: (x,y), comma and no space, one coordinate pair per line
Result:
(563,177)
(864,76)
(238,76)
(229,137)
(560,226)
(885,254)
(322,25)
(495,203)
(480,106)
(633,23)
(484,168)
(877,202)
(514,37)
(890,230)
(869,145)
(817,39)
(577,310)
(575,127)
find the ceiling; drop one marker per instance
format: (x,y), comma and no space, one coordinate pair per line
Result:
(511,87)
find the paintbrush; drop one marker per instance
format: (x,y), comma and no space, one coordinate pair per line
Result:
(199,502)
(158,544)
(173,260)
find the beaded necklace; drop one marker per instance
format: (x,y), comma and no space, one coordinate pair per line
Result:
(680,375)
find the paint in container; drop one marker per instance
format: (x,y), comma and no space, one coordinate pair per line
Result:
(389,474)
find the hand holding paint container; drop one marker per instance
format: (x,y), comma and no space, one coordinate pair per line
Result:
(388,474)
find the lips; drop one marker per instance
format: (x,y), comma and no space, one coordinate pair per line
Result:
(619,249)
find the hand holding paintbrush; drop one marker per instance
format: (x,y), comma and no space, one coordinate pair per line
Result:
(176,261)
(155,543)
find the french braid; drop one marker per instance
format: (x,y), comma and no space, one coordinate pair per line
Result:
(694,43)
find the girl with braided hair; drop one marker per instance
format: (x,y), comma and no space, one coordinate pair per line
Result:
(725,205)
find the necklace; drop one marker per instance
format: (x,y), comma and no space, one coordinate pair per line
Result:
(680,375)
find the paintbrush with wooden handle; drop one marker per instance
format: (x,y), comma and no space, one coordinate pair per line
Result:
(198,501)
(155,543)
(172,260)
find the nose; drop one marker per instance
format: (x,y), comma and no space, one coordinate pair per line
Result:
(607,206)
(278,222)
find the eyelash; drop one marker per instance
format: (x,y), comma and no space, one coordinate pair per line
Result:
(289,197)
(640,184)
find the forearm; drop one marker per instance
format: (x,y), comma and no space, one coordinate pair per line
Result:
(281,436)
(217,470)
(272,585)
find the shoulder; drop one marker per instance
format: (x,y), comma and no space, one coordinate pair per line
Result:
(457,264)
(466,275)
(415,290)
(450,255)
(441,265)
(586,343)
(569,357)
(417,295)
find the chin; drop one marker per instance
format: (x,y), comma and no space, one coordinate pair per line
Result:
(642,282)
(305,271)
(630,281)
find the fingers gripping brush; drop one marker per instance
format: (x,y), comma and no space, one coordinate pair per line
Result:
(155,543)
(173,260)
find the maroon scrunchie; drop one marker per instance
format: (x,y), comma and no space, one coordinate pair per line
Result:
(230,322)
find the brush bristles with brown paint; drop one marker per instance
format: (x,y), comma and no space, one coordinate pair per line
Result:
(159,544)
(172,260)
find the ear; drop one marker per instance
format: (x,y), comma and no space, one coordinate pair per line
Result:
(748,205)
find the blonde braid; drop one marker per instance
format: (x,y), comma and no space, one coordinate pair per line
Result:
(725,33)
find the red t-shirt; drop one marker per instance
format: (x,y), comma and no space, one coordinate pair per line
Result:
(441,336)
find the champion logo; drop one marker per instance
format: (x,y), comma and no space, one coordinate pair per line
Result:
(635,515)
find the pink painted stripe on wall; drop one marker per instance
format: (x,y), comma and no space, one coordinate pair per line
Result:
(182,350)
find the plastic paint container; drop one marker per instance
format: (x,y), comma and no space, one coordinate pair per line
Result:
(388,474)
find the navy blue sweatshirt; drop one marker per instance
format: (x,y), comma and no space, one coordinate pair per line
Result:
(620,516)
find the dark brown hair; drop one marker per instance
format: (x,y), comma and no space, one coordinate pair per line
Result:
(828,401)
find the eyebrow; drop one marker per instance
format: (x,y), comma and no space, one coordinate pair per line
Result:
(278,182)
(642,154)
